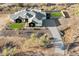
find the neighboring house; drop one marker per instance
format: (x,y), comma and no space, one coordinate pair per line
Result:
(32,17)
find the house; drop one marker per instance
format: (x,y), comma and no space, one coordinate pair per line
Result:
(33,17)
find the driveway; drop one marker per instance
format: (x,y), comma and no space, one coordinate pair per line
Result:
(52,27)
(51,22)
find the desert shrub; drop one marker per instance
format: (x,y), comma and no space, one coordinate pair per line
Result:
(61,7)
(43,40)
(20,5)
(35,41)
(8,51)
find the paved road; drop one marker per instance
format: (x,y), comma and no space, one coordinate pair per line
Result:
(59,46)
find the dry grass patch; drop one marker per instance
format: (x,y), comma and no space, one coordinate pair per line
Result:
(19,44)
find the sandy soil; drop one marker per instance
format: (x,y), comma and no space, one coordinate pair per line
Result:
(4,19)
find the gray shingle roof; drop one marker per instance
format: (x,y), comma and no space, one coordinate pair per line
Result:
(39,15)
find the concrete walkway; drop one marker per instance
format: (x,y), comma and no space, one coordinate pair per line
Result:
(59,46)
